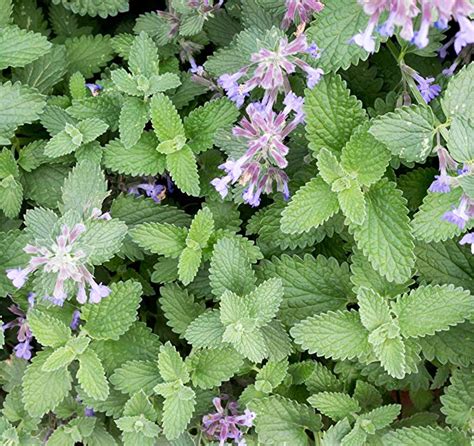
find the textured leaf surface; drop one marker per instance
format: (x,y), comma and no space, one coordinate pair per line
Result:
(136,376)
(335,405)
(160,238)
(91,376)
(425,436)
(183,168)
(458,98)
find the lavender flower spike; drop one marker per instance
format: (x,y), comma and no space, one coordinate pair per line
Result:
(426,87)
(442,183)
(468,239)
(303,8)
(24,335)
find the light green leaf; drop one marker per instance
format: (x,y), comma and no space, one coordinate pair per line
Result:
(461,133)
(425,436)
(11,196)
(337,335)
(114,314)
(64,142)
(206,330)
(188,265)
(102,9)
(201,229)
(271,375)
(265,301)
(133,117)
(183,168)
(230,268)
(19,47)
(8,164)
(458,98)
(302,214)
(177,413)
(58,359)
(283,421)
(125,82)
(91,376)
(427,223)
(329,167)
(352,203)
(210,368)
(135,376)
(429,309)
(48,330)
(382,416)
(322,379)
(160,238)
(407,132)
(385,236)
(143,56)
(373,309)
(335,405)
(365,157)
(332,114)
(171,365)
(43,391)
(165,118)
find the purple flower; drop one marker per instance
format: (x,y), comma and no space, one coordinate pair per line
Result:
(95,89)
(460,215)
(153,190)
(225,424)
(465,35)
(426,87)
(442,183)
(24,335)
(304,9)
(89,412)
(65,259)
(468,239)
(76,320)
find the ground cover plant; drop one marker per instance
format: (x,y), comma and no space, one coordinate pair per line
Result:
(236,222)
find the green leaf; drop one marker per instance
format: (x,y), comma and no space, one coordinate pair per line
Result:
(177,413)
(84,189)
(210,368)
(265,300)
(322,379)
(171,365)
(352,203)
(373,309)
(183,168)
(125,82)
(230,268)
(367,395)
(271,375)
(164,116)
(48,330)
(19,104)
(140,160)
(64,142)
(337,335)
(333,29)
(335,405)
(329,167)
(407,132)
(135,376)
(427,223)
(60,358)
(113,315)
(332,114)
(425,436)
(311,286)
(188,265)
(143,58)
(458,97)
(301,214)
(160,238)
(429,309)
(88,54)
(206,330)
(458,399)
(382,416)
(43,391)
(283,421)
(19,47)
(179,307)
(203,122)
(91,376)
(11,196)
(461,132)
(385,236)
(201,229)
(133,117)
(11,256)
(8,164)
(364,157)
(102,9)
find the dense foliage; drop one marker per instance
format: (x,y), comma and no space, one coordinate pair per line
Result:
(237,222)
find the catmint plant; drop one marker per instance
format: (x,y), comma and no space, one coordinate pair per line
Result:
(242,222)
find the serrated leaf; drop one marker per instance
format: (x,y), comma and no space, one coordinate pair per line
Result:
(19,47)
(160,238)
(48,330)
(182,166)
(337,335)
(140,160)
(332,114)
(135,376)
(352,203)
(311,286)
(271,375)
(176,415)
(329,167)
(188,265)
(425,436)
(91,376)
(428,224)
(266,300)
(143,58)
(459,97)
(171,365)
(230,268)
(322,379)
(385,235)
(365,157)
(382,416)
(133,117)
(113,315)
(280,420)
(301,214)
(201,228)
(333,29)
(373,309)
(11,196)
(43,391)
(408,132)
(164,116)
(206,330)
(335,405)
(58,359)
(429,309)
(461,132)
(210,368)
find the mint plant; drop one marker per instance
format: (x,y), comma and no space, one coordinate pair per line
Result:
(241,222)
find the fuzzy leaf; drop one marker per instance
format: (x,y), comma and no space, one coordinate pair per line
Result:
(160,238)
(183,168)
(135,376)
(165,118)
(91,376)
(459,97)
(48,330)
(133,117)
(335,405)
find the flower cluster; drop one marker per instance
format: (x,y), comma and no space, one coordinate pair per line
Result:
(153,190)
(265,129)
(402,13)
(66,261)
(425,86)
(304,9)
(24,335)
(225,423)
